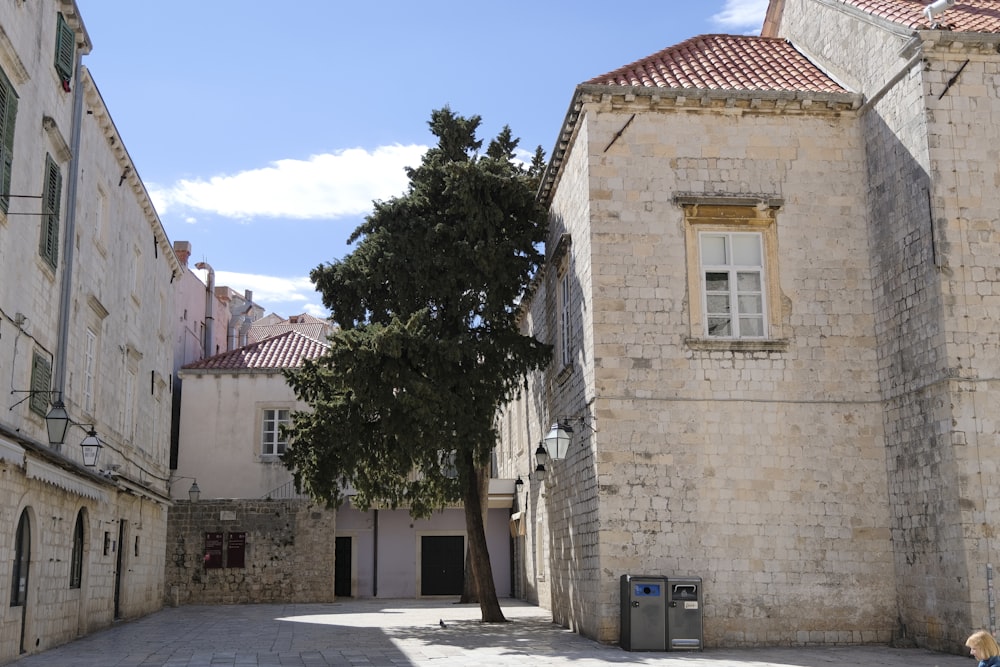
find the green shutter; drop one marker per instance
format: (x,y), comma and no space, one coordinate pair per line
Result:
(48,246)
(41,378)
(65,49)
(8,112)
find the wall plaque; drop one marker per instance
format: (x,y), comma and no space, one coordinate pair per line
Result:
(236,550)
(213,551)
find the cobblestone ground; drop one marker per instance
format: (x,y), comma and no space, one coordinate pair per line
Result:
(400,633)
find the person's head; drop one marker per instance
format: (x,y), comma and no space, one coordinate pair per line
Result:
(983,645)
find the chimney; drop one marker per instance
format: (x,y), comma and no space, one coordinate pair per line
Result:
(182,249)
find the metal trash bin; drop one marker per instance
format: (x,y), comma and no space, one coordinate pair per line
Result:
(643,613)
(684,614)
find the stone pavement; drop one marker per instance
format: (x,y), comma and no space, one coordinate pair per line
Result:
(401,633)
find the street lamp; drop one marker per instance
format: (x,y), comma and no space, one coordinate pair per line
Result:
(557,441)
(541,458)
(91,446)
(57,423)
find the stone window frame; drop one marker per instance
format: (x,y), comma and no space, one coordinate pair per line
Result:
(732,215)
(562,337)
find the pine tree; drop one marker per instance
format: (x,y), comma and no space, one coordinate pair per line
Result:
(402,408)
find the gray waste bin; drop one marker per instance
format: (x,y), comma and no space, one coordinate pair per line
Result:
(684,607)
(643,613)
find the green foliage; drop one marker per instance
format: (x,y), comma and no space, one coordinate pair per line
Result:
(428,345)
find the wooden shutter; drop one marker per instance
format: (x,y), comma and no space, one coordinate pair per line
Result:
(8,112)
(65,49)
(49,244)
(41,378)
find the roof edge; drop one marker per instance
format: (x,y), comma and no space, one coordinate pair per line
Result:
(553,172)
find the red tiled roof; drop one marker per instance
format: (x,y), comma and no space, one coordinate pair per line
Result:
(965,16)
(284,351)
(724,62)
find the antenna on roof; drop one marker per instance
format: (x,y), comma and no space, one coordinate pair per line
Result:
(937,7)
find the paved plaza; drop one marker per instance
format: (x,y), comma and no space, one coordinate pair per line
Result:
(400,633)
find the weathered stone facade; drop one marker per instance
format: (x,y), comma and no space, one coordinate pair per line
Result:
(289,554)
(830,482)
(85,297)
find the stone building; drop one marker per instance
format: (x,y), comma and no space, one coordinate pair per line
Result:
(233,407)
(772,287)
(86,317)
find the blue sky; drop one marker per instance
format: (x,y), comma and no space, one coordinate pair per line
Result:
(264,130)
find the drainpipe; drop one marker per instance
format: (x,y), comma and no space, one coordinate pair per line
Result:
(209,296)
(65,294)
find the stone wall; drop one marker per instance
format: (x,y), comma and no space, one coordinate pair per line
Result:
(759,469)
(289,552)
(118,527)
(932,169)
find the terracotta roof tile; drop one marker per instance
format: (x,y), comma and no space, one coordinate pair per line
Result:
(725,62)
(284,351)
(965,16)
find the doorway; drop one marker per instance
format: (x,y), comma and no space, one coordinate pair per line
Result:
(442,564)
(120,566)
(19,579)
(343,568)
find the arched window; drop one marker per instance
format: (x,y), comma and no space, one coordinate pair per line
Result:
(22,556)
(76,562)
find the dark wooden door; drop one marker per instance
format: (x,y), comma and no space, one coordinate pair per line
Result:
(342,568)
(442,564)
(22,559)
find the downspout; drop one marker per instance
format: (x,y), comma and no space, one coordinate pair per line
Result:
(65,295)
(209,319)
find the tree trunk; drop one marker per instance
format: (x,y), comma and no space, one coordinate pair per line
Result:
(479,554)
(470,590)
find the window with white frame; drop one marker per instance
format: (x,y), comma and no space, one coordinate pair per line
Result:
(732,269)
(128,405)
(732,249)
(272,441)
(89,371)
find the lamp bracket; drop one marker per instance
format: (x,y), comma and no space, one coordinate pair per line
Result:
(566,423)
(30,393)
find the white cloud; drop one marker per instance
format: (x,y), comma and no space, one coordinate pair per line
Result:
(329,185)
(284,296)
(742,15)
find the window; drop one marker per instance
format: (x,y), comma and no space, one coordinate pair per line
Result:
(89,371)
(65,51)
(48,246)
(732,269)
(565,330)
(731,245)
(76,561)
(128,405)
(562,291)
(8,113)
(272,441)
(41,378)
